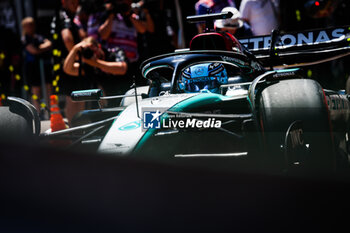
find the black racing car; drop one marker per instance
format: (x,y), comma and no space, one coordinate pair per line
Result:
(220,100)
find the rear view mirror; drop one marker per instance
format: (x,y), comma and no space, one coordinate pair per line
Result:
(87,95)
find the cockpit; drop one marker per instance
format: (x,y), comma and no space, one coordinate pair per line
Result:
(215,77)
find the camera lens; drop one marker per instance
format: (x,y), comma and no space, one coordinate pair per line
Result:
(87,53)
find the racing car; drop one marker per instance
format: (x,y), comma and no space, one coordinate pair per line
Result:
(221,98)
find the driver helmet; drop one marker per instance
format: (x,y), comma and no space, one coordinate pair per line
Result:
(206,76)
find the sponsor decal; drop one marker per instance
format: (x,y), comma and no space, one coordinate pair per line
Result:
(296,136)
(337,102)
(296,149)
(234,60)
(152,120)
(199,71)
(130,126)
(283,74)
(191,123)
(178,59)
(296,39)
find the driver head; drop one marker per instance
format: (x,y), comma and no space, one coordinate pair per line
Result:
(205,76)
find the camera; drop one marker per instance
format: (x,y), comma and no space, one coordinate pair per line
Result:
(87,53)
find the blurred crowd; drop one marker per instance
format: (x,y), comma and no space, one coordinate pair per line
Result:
(101,43)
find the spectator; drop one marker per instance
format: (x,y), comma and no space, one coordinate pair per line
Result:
(36,48)
(65,35)
(211,6)
(81,20)
(261,15)
(234,25)
(119,26)
(96,18)
(143,14)
(162,13)
(99,64)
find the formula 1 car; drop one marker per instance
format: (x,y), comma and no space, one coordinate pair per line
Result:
(223,98)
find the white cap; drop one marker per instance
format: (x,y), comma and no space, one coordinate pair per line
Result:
(234,22)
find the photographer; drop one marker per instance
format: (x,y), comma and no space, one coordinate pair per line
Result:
(98,65)
(123,23)
(119,26)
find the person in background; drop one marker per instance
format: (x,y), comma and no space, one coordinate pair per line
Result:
(36,47)
(121,28)
(118,26)
(99,65)
(165,31)
(65,34)
(211,6)
(110,61)
(234,25)
(261,15)
(81,20)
